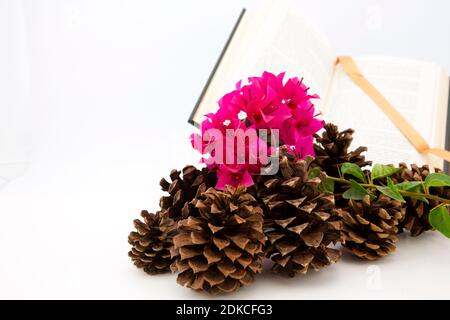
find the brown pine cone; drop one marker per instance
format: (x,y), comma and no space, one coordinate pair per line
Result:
(152,242)
(221,248)
(371,226)
(298,220)
(183,189)
(331,149)
(416,217)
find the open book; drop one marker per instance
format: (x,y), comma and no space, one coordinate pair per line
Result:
(276,39)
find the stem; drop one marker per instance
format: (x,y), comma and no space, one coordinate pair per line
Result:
(428,196)
(402,192)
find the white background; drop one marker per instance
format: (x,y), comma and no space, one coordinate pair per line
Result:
(112,84)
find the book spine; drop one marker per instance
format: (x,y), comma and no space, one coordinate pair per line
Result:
(216,66)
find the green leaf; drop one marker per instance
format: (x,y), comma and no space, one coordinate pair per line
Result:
(356,191)
(327,185)
(314,172)
(354,170)
(437,180)
(381,171)
(412,186)
(421,198)
(391,191)
(439,218)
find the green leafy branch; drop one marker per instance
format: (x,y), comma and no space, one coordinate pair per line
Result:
(361,185)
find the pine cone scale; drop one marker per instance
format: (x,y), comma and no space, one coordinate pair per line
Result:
(331,149)
(296,217)
(371,226)
(152,242)
(227,238)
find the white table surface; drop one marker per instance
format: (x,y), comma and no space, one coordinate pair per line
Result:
(112,85)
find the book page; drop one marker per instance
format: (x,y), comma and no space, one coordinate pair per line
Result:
(415,89)
(276,39)
(288,42)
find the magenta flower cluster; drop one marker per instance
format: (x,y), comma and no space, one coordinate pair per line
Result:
(266,102)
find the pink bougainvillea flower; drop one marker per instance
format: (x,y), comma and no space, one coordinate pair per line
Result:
(245,154)
(304,146)
(214,124)
(295,94)
(301,126)
(266,102)
(262,101)
(231,103)
(233,175)
(223,142)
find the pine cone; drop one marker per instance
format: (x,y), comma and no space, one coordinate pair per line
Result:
(416,217)
(298,224)
(220,249)
(182,190)
(331,149)
(371,226)
(152,242)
